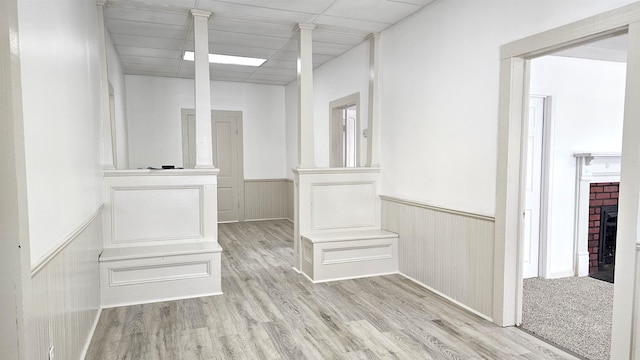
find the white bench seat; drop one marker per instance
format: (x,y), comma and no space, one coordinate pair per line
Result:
(339,255)
(142,274)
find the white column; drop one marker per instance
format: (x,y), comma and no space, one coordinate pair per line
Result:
(625,341)
(15,265)
(581,222)
(373,131)
(204,154)
(108,156)
(306,155)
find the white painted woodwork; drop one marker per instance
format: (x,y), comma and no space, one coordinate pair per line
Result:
(373,120)
(160,228)
(65,304)
(267,199)
(144,274)
(331,256)
(15,285)
(509,187)
(154,207)
(116,77)
(204,155)
(107,134)
(337,214)
(227,151)
(532,208)
(447,251)
(590,168)
(306,157)
(626,306)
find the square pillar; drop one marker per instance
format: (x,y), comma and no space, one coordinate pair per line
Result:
(204,153)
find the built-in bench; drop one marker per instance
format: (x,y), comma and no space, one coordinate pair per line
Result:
(328,256)
(141,274)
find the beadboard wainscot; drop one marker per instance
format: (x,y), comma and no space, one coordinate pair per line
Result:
(449,252)
(160,236)
(337,233)
(266,199)
(66,294)
(290,199)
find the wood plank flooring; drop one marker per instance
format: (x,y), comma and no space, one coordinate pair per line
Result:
(268,311)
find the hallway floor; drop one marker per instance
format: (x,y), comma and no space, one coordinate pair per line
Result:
(268,311)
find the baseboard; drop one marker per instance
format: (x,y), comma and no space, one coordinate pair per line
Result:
(350,277)
(85,349)
(561,274)
(162,300)
(267,219)
(446,297)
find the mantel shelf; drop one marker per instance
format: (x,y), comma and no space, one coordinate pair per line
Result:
(589,156)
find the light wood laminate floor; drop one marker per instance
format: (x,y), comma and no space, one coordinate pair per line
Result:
(268,311)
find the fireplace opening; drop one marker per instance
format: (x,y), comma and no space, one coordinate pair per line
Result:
(603,221)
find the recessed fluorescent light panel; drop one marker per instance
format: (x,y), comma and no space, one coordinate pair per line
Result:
(227,59)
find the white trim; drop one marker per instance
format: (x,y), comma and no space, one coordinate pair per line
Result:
(310,171)
(350,277)
(436,208)
(161,172)
(454,301)
(51,254)
(154,301)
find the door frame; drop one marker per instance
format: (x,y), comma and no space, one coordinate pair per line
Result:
(188,146)
(335,131)
(513,95)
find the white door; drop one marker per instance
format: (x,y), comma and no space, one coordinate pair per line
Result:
(226,135)
(533,188)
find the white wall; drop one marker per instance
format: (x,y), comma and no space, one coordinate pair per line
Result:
(60,89)
(155,134)
(587,113)
(439,95)
(345,75)
(116,78)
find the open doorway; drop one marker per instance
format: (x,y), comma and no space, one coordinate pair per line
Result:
(571,177)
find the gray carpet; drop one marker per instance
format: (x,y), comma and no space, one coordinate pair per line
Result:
(573,312)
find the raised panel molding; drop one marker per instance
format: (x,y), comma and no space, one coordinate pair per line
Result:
(447,251)
(158,213)
(332,205)
(161,272)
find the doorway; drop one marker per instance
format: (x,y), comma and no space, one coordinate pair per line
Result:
(536,188)
(226,135)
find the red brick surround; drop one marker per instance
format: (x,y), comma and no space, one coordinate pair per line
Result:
(600,194)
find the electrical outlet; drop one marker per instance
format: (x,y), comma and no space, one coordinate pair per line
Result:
(51,356)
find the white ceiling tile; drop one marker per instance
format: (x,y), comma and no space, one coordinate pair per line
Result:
(306,6)
(138,51)
(147,42)
(276,71)
(159,68)
(156,4)
(236,50)
(251,27)
(319,34)
(280,64)
(225,9)
(238,39)
(382,11)
(362,25)
(415,2)
(159,17)
(129,27)
(143,60)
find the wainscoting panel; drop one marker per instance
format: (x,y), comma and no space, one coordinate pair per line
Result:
(290,197)
(447,251)
(332,205)
(267,199)
(66,294)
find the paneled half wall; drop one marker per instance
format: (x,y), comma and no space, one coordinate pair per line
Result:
(449,252)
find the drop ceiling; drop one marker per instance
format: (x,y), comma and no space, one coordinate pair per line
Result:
(151,35)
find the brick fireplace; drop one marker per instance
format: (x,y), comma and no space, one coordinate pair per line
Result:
(603,205)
